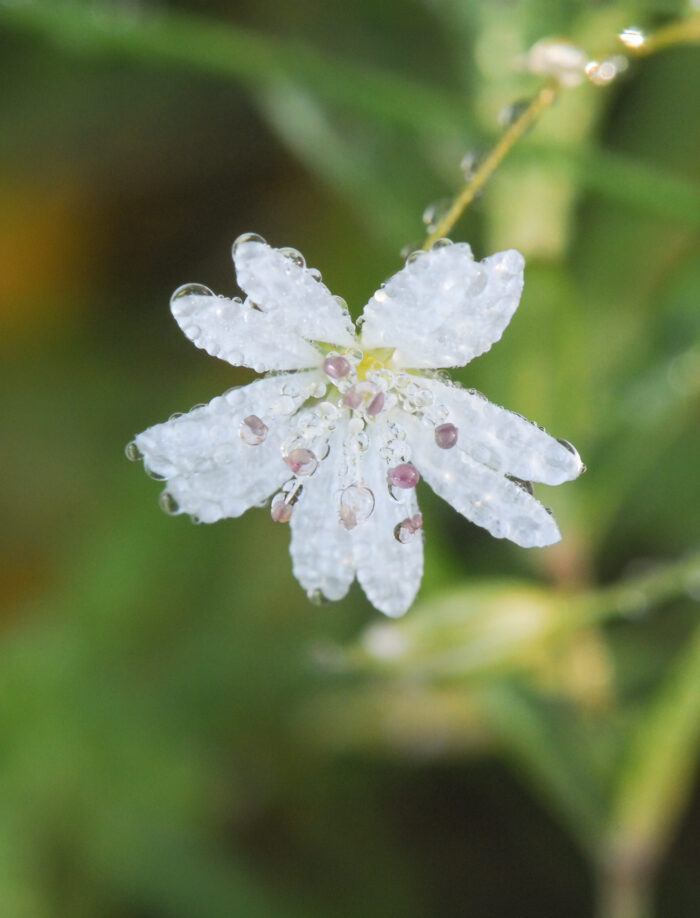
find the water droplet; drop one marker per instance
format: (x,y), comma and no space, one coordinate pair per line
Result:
(168,504)
(156,476)
(316,274)
(446,435)
(352,398)
(435,212)
(409,249)
(521,483)
(509,114)
(302,462)
(406,530)
(132,452)
(477,394)
(188,290)
(336,367)
(280,510)
(317,598)
(441,243)
(403,476)
(632,37)
(571,448)
(246,237)
(376,405)
(356,505)
(253,431)
(294,256)
(470,162)
(360,442)
(341,302)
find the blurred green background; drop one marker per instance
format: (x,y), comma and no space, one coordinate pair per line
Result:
(182,734)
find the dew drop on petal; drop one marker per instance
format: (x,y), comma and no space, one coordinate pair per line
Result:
(356,505)
(406,529)
(294,256)
(441,243)
(446,435)
(246,237)
(302,462)
(132,452)
(187,290)
(315,274)
(521,483)
(253,430)
(336,367)
(565,443)
(156,476)
(168,504)
(352,398)
(280,510)
(414,256)
(404,475)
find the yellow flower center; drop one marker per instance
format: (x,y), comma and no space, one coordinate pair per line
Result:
(373,360)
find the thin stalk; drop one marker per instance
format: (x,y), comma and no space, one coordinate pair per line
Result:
(544,98)
(683,31)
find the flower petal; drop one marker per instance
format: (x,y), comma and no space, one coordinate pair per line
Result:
(483,496)
(240,333)
(211,472)
(321,549)
(444,308)
(286,290)
(501,439)
(389,571)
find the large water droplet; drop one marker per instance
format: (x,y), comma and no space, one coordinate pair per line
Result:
(156,476)
(188,290)
(280,509)
(302,462)
(246,237)
(336,367)
(406,530)
(253,431)
(356,505)
(132,452)
(404,476)
(446,435)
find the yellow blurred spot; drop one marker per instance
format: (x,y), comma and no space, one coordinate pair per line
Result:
(44,253)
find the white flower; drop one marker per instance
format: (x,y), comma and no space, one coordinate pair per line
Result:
(356,418)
